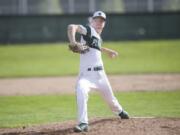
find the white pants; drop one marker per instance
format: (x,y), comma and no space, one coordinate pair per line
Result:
(97,80)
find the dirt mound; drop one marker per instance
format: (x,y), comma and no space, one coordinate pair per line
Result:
(112,126)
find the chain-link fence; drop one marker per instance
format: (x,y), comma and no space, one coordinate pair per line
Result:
(85,6)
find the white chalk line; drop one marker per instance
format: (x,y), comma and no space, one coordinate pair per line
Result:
(143,117)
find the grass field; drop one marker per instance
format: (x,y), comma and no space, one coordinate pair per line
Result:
(17,111)
(55,59)
(135,57)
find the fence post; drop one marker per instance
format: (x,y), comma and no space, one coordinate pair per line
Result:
(71,6)
(150,5)
(92,5)
(23,7)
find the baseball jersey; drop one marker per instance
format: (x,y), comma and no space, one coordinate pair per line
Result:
(93,57)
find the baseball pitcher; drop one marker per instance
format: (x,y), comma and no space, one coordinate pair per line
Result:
(92,74)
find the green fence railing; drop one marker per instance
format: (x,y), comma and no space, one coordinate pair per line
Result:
(52,28)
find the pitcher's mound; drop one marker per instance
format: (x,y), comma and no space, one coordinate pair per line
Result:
(113,126)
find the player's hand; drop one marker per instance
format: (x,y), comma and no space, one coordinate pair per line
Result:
(77,47)
(113,54)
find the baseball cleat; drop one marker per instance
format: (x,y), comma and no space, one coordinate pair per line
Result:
(82,127)
(124,115)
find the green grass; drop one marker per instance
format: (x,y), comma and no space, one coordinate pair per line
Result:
(55,60)
(145,57)
(18,111)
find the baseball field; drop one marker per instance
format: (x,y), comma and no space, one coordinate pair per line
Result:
(37,89)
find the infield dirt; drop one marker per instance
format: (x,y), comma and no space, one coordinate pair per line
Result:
(61,85)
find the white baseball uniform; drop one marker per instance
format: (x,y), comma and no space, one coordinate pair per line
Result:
(92,75)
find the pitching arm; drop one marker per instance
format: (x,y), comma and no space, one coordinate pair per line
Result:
(111,53)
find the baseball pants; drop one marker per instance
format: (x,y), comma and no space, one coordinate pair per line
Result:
(96,80)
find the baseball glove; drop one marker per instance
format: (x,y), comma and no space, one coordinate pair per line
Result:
(78,48)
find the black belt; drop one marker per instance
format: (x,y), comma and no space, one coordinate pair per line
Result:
(98,68)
